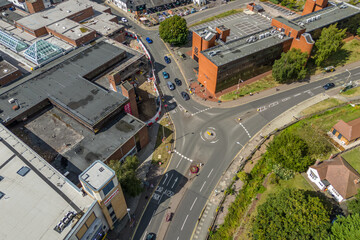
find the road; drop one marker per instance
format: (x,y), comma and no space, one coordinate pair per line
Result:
(194,145)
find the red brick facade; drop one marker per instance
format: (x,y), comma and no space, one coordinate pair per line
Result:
(88,37)
(35,6)
(314,5)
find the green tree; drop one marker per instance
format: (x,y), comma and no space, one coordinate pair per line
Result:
(126,174)
(290,67)
(290,151)
(292,214)
(330,41)
(243,176)
(358,31)
(346,228)
(173,30)
(354,204)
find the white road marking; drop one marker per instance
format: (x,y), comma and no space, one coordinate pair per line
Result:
(240,144)
(145,235)
(193,114)
(215,141)
(356,74)
(202,137)
(273,104)
(196,108)
(177,238)
(297,94)
(170,179)
(193,204)
(285,99)
(212,128)
(317,87)
(190,160)
(174,183)
(166,176)
(179,162)
(151,217)
(245,130)
(202,186)
(210,173)
(184,222)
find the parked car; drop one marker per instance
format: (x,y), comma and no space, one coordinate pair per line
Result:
(165,75)
(149,40)
(203,8)
(329,69)
(171,86)
(185,96)
(167,59)
(193,10)
(124,20)
(150,236)
(169,216)
(178,82)
(328,86)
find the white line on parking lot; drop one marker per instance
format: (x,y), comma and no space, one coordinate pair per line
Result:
(193,204)
(184,222)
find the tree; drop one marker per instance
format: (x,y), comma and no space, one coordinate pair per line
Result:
(126,174)
(354,205)
(330,41)
(346,228)
(173,30)
(292,214)
(358,31)
(243,176)
(290,67)
(290,151)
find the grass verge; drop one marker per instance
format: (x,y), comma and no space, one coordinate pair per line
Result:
(352,157)
(221,15)
(164,140)
(353,92)
(260,85)
(321,106)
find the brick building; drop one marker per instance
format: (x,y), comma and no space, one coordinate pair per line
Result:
(222,64)
(348,132)
(8,73)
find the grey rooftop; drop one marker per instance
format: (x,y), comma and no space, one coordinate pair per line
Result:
(97,175)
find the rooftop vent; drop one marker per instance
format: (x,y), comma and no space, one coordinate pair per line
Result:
(1,178)
(64,27)
(317,17)
(68,11)
(23,171)
(342,6)
(11,100)
(101,169)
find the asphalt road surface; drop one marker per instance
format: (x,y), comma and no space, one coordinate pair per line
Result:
(194,145)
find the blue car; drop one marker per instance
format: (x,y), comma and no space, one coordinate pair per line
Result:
(167,59)
(149,40)
(165,74)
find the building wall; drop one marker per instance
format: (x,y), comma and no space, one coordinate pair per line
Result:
(303,45)
(314,5)
(88,36)
(130,94)
(196,46)
(35,6)
(82,15)
(208,72)
(144,136)
(290,32)
(10,77)
(342,138)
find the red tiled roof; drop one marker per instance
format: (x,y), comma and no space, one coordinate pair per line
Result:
(350,130)
(340,175)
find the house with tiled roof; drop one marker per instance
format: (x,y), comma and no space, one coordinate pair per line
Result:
(335,176)
(347,132)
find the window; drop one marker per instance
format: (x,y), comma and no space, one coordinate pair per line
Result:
(339,137)
(334,131)
(312,175)
(108,188)
(113,219)
(23,171)
(112,214)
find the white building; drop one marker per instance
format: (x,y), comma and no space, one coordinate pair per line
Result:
(37,202)
(121,4)
(199,2)
(336,176)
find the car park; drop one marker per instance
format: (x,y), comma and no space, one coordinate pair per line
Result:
(171,86)
(178,82)
(165,75)
(185,96)
(149,40)
(328,86)
(167,59)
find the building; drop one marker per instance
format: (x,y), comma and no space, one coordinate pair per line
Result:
(38,202)
(4,5)
(336,176)
(32,6)
(348,132)
(8,73)
(223,63)
(88,122)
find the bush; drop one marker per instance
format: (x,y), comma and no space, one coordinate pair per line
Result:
(283,173)
(243,176)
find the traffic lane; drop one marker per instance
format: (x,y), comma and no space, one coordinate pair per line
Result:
(170,184)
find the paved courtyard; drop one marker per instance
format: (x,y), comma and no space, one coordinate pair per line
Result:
(240,24)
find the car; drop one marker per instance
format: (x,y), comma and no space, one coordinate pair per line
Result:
(149,40)
(178,82)
(171,86)
(193,10)
(124,20)
(151,236)
(167,59)
(165,75)
(346,88)
(328,86)
(169,216)
(203,8)
(185,96)
(329,69)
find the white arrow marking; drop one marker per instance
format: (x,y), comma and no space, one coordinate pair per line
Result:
(166,176)
(170,179)
(174,183)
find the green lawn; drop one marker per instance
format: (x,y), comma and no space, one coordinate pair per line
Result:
(160,153)
(353,92)
(321,106)
(353,157)
(260,85)
(221,15)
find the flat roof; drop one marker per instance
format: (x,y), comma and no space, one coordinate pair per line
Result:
(328,16)
(70,29)
(6,68)
(238,48)
(64,84)
(58,12)
(289,23)
(97,175)
(34,203)
(103,25)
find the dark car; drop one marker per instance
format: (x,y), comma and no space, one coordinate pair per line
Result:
(169,216)
(185,96)
(178,82)
(149,40)
(167,59)
(171,86)
(328,86)
(151,236)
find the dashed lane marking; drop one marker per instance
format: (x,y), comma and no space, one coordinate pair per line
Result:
(193,114)
(285,99)
(245,129)
(296,95)
(186,158)
(273,104)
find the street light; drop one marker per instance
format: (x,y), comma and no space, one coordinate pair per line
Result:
(128,211)
(239,84)
(348,76)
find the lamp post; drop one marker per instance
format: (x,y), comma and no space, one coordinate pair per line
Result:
(239,84)
(347,80)
(128,212)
